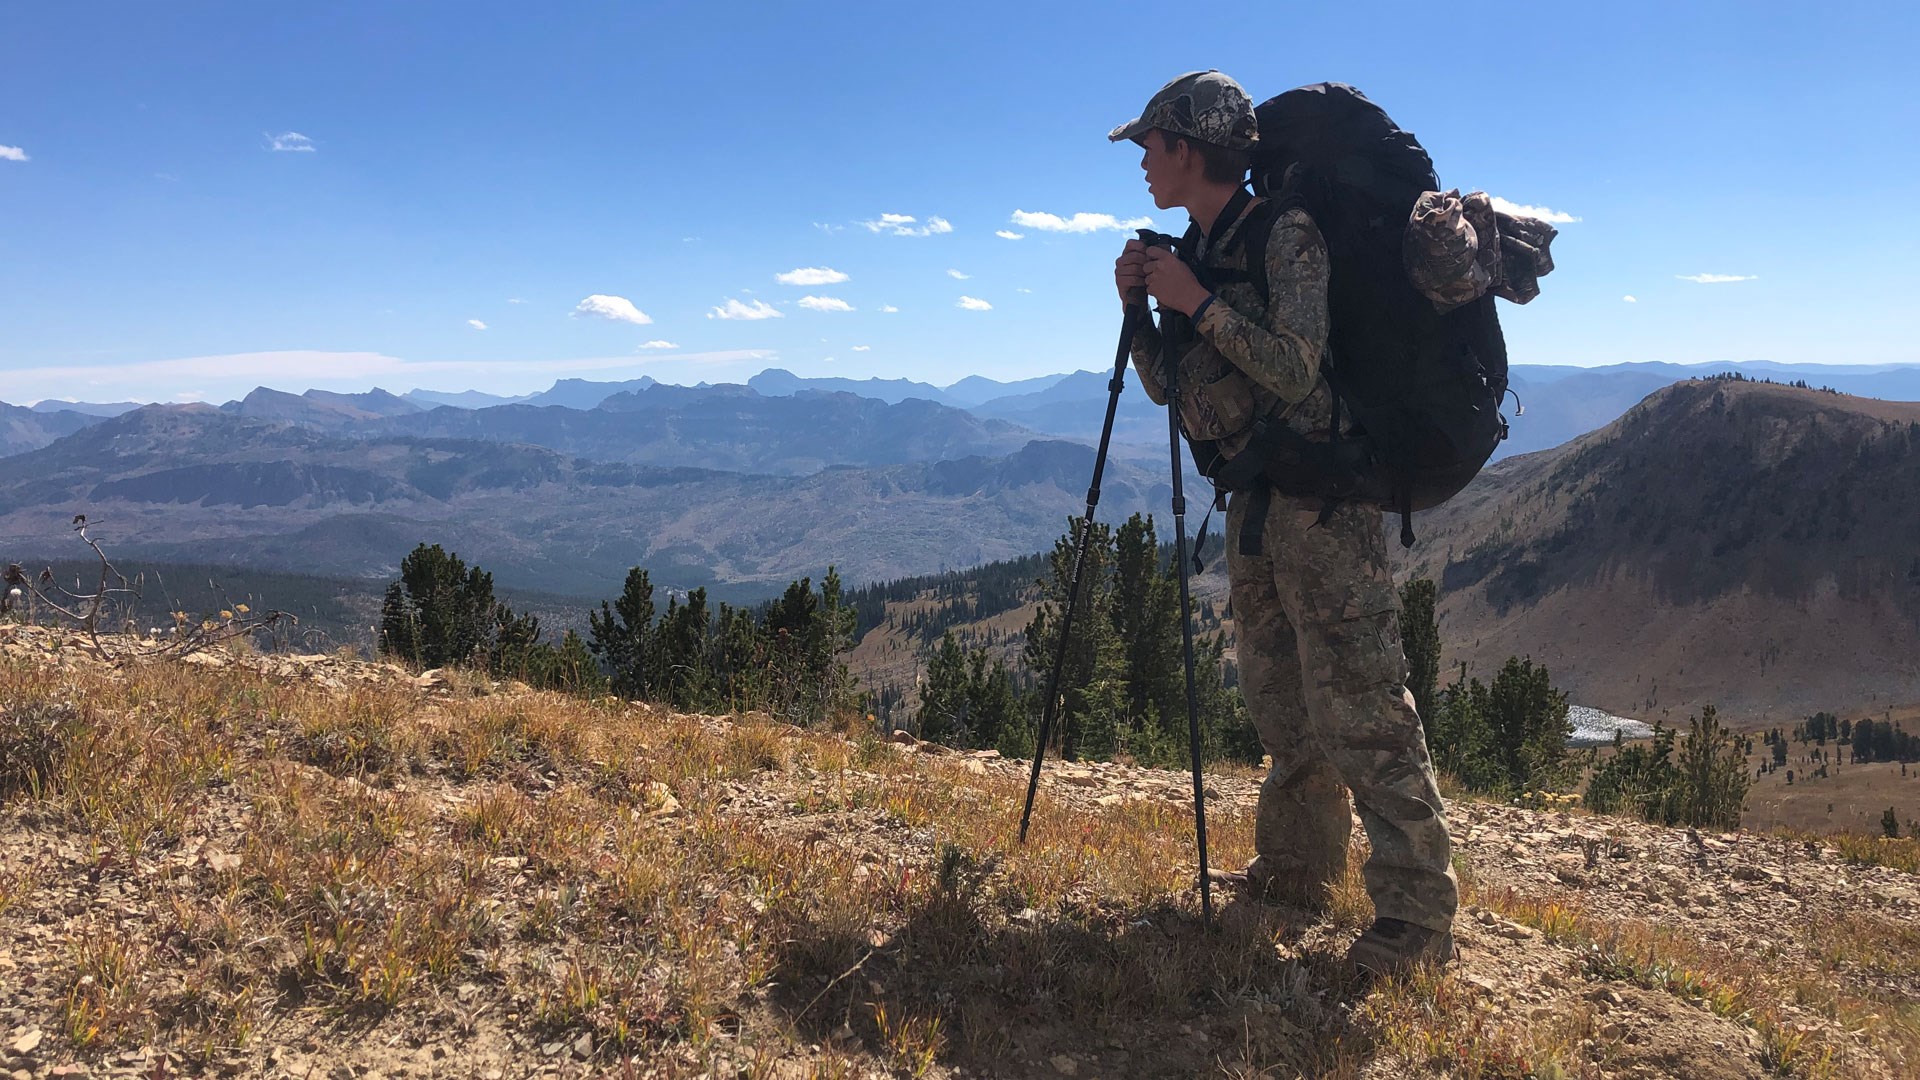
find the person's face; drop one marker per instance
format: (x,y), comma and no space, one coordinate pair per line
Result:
(1167,171)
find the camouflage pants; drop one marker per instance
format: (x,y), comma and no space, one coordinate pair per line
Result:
(1321,664)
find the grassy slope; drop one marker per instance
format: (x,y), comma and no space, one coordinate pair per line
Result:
(275,866)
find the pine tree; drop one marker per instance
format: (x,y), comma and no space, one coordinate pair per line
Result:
(991,702)
(1143,605)
(1092,693)
(1527,719)
(1713,775)
(739,659)
(399,626)
(1505,738)
(680,652)
(442,611)
(621,636)
(943,694)
(1420,635)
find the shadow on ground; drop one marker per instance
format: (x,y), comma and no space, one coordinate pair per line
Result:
(1084,992)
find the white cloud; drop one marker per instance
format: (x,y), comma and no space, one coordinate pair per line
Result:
(185,396)
(1009,234)
(12,153)
(1023,290)
(811,275)
(907,225)
(829,229)
(515,300)
(888,309)
(957,275)
(1078,223)
(1522,210)
(658,345)
(476,324)
(1631,299)
(1715,279)
(734,309)
(824,303)
(863,348)
(969,303)
(616,308)
(291,141)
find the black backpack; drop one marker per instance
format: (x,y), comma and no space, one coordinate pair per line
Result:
(1416,392)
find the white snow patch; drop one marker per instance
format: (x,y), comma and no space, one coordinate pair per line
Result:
(1592,727)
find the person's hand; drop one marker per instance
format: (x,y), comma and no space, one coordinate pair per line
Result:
(1130,272)
(1172,283)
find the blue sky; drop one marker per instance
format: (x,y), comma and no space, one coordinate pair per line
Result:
(499,164)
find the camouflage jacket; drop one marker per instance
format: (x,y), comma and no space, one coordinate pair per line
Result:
(1248,359)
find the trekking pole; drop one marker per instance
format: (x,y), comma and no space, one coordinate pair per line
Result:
(1172,369)
(1136,310)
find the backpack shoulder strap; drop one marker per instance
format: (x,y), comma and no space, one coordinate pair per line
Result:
(1255,233)
(1250,244)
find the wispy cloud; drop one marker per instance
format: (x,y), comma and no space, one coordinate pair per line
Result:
(829,229)
(863,348)
(1079,223)
(515,300)
(616,308)
(907,225)
(888,309)
(657,345)
(824,303)
(291,141)
(957,275)
(1540,212)
(1631,299)
(1715,279)
(12,153)
(734,309)
(1023,290)
(476,324)
(811,275)
(971,303)
(1009,234)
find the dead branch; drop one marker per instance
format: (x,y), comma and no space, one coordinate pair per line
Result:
(86,612)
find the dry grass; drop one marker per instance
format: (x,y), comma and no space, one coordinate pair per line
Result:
(1773,1002)
(245,862)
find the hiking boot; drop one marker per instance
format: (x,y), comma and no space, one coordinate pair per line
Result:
(1260,882)
(1391,947)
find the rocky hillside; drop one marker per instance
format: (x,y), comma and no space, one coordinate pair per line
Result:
(300,865)
(1743,544)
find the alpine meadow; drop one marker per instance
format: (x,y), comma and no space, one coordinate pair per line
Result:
(640,540)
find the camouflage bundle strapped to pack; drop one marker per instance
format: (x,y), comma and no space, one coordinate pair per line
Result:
(1415,357)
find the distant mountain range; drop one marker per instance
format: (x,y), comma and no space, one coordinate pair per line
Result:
(728,427)
(1549,406)
(23,429)
(1670,544)
(194,483)
(1731,543)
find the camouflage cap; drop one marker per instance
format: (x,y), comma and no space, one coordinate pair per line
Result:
(1202,105)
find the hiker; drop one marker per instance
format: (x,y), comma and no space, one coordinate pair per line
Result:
(1313,599)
